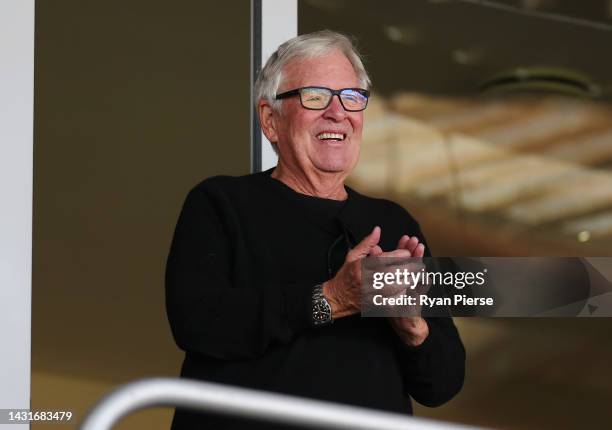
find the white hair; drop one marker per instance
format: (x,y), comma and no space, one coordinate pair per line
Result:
(304,46)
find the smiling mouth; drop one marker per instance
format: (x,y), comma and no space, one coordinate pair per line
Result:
(333,137)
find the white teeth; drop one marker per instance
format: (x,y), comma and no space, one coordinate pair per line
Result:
(338,136)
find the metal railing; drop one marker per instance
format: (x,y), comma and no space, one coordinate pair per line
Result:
(247,403)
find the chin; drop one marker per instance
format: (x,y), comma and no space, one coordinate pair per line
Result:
(332,169)
(336,162)
(334,166)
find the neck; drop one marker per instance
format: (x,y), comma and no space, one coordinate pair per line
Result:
(328,185)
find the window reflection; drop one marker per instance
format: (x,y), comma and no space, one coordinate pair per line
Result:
(534,165)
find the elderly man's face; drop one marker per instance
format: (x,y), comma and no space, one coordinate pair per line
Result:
(300,132)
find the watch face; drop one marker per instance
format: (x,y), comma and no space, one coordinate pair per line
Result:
(321,311)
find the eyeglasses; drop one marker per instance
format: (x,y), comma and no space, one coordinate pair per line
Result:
(319,98)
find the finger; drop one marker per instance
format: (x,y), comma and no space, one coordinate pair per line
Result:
(398,253)
(376,250)
(363,248)
(403,241)
(391,259)
(420,250)
(412,244)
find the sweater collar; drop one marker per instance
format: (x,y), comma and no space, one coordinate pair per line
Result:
(355,217)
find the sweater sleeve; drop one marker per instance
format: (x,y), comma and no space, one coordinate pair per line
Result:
(433,372)
(215,311)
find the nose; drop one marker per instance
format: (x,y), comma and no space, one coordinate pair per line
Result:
(335,111)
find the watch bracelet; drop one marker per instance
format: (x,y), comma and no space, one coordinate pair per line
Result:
(319,297)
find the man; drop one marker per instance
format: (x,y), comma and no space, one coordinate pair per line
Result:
(263,277)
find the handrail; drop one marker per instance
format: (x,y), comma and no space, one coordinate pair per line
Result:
(248,403)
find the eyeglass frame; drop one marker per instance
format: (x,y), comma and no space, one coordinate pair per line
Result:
(297,92)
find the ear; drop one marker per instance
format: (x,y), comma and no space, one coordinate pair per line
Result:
(267,120)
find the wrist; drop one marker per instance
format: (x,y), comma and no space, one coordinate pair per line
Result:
(327,290)
(340,305)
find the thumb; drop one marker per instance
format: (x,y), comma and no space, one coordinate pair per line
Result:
(363,248)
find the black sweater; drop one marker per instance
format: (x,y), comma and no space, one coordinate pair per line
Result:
(246,254)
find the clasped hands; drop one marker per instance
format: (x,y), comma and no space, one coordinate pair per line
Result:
(343,292)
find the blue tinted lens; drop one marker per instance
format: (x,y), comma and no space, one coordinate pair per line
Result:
(353,100)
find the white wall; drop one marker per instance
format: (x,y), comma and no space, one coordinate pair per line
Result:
(16,125)
(278,23)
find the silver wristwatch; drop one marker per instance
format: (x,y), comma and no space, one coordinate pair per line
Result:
(321,310)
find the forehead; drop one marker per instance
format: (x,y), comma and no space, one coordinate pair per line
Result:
(331,70)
